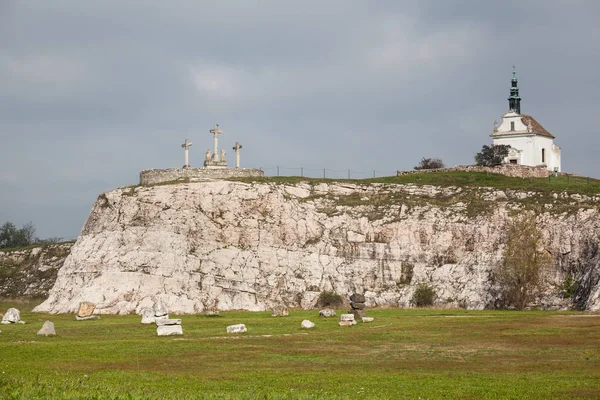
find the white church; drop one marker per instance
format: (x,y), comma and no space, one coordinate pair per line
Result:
(530,143)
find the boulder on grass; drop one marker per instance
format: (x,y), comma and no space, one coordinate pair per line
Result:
(307,324)
(160,310)
(367,319)
(167,321)
(347,320)
(357,298)
(47,329)
(327,313)
(279,311)
(86,309)
(239,328)
(147,316)
(168,330)
(12,316)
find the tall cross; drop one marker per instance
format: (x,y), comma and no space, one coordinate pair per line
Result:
(186,146)
(216,132)
(237,148)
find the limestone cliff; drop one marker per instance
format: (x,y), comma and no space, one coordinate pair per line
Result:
(234,245)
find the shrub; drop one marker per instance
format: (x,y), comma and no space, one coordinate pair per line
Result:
(329,299)
(423,295)
(569,287)
(519,277)
(492,155)
(430,163)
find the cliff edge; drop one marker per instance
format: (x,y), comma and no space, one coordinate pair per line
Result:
(236,245)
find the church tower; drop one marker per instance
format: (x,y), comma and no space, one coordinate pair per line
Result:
(530,143)
(514,101)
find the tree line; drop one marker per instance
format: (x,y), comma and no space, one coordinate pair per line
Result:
(11,236)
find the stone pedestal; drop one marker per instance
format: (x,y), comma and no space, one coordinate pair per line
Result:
(357,303)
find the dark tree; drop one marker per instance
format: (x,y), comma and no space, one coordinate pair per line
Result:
(430,163)
(492,155)
(10,236)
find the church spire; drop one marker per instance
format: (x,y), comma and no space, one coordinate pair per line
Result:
(514,101)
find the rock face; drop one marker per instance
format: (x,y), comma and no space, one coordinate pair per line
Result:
(31,273)
(232,245)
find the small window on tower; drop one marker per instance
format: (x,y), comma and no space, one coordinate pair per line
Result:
(512,126)
(543,155)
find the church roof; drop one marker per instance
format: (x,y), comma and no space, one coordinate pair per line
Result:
(537,128)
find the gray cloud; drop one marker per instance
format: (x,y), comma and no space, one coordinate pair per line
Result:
(94,92)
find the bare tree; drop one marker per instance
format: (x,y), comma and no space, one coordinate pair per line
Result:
(520,275)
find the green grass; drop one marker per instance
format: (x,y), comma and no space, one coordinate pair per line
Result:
(34,245)
(570,184)
(403,354)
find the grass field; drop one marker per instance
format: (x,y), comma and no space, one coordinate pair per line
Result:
(569,184)
(418,353)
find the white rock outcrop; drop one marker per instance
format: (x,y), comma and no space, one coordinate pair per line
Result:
(225,245)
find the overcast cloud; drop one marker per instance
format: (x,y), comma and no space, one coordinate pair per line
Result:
(92,92)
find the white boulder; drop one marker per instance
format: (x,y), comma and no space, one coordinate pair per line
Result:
(12,316)
(147,316)
(307,324)
(327,313)
(47,329)
(239,328)
(168,330)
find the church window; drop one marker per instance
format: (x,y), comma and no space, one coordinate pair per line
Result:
(543,155)
(512,126)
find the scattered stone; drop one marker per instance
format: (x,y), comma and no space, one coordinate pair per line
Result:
(239,328)
(307,324)
(168,330)
(347,320)
(357,302)
(212,313)
(327,313)
(367,319)
(357,298)
(47,329)
(78,318)
(147,316)
(86,309)
(159,309)
(279,311)
(12,316)
(167,321)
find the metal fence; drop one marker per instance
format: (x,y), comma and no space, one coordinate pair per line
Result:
(324,172)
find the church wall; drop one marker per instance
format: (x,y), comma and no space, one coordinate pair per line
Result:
(531,147)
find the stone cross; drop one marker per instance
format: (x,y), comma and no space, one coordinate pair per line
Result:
(186,147)
(237,148)
(216,132)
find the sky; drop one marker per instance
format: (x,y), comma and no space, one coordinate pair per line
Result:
(93,92)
